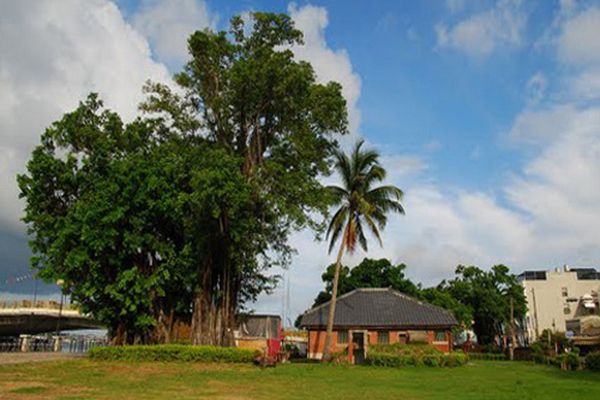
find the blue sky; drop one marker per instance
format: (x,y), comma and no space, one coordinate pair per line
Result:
(486,112)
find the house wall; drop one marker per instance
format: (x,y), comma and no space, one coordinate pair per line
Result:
(316,340)
(551,302)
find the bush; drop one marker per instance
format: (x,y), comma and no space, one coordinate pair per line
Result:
(173,352)
(455,360)
(339,357)
(592,361)
(407,349)
(382,359)
(432,360)
(487,356)
(569,361)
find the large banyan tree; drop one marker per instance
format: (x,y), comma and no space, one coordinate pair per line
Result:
(186,208)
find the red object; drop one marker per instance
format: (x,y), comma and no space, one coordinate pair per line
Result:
(275,344)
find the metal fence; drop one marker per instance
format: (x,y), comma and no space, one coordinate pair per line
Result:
(68,344)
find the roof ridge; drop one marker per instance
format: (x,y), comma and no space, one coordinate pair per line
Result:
(329,301)
(416,300)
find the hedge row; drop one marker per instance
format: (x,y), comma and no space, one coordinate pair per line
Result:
(406,349)
(487,356)
(572,361)
(428,360)
(592,361)
(173,352)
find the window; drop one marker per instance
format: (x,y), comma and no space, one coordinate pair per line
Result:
(342,337)
(565,292)
(440,336)
(383,337)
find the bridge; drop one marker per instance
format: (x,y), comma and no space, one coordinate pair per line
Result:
(19,318)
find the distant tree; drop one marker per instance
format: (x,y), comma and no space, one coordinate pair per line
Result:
(442,297)
(368,274)
(488,294)
(361,206)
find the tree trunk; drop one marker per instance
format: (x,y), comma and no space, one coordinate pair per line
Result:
(330,318)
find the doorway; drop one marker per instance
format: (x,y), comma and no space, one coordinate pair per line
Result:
(358,344)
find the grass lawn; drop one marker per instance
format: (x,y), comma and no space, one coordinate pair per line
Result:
(85,379)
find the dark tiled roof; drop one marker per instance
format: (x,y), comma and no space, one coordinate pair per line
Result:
(379,308)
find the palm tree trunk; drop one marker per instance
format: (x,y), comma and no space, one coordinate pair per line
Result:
(336,278)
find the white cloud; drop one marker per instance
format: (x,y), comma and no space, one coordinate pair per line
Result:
(54,54)
(329,64)
(578,42)
(482,34)
(536,88)
(455,5)
(168,23)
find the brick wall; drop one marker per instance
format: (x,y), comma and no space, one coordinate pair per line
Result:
(316,341)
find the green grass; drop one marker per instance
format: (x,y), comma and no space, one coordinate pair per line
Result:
(120,380)
(29,389)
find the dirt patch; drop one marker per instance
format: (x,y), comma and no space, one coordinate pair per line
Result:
(21,358)
(39,390)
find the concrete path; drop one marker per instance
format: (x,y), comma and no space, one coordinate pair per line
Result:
(19,358)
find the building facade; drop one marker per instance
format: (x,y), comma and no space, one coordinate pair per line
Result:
(371,316)
(557,296)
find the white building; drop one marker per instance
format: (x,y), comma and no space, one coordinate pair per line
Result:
(553,297)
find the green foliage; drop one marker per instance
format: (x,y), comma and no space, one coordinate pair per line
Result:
(368,274)
(386,359)
(339,357)
(488,356)
(398,355)
(592,361)
(186,208)
(488,295)
(406,349)
(569,361)
(442,297)
(361,205)
(163,353)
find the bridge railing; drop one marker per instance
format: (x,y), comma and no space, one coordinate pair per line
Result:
(44,305)
(68,344)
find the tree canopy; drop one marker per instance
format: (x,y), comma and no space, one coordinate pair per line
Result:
(186,208)
(369,273)
(488,294)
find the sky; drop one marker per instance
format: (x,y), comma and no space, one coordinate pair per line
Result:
(485,112)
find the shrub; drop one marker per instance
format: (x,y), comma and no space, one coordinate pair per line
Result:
(487,356)
(568,361)
(173,352)
(592,361)
(455,360)
(408,349)
(339,357)
(382,359)
(432,360)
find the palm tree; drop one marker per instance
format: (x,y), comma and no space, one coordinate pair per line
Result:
(360,204)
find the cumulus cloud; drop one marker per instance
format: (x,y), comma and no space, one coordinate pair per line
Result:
(579,42)
(53,54)
(329,64)
(482,34)
(167,24)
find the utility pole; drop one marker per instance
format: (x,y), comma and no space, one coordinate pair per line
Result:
(535,316)
(511,348)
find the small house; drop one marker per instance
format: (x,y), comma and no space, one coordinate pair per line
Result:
(260,332)
(370,316)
